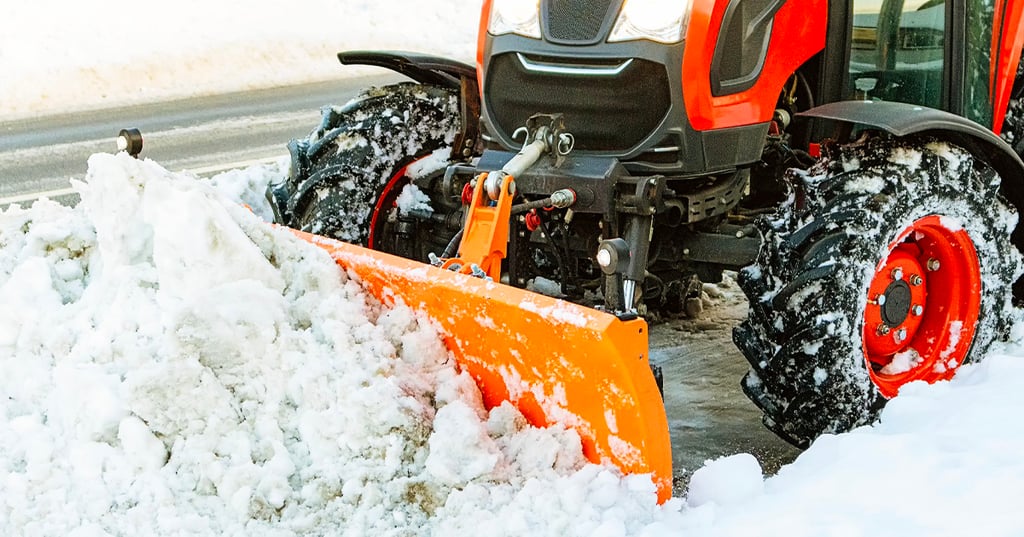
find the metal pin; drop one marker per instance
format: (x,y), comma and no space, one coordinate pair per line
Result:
(916,280)
(883,329)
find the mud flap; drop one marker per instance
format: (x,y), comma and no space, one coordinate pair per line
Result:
(558,362)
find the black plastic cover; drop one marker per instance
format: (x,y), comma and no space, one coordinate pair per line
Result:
(422,68)
(903,119)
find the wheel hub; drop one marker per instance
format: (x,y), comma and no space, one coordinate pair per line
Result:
(899,290)
(897,303)
(923,304)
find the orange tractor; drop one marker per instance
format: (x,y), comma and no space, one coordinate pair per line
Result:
(856,161)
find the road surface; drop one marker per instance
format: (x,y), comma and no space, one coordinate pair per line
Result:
(205,135)
(708,415)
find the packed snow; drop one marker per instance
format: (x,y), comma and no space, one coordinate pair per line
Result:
(174,366)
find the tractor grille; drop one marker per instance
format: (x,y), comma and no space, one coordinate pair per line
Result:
(577,21)
(604,113)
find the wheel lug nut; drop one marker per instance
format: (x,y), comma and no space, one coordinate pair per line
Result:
(878,300)
(897,273)
(901,335)
(916,280)
(918,310)
(933,264)
(883,329)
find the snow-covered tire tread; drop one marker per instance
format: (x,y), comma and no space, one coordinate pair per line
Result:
(340,170)
(808,288)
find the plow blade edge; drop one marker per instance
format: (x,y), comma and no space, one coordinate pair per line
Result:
(558,362)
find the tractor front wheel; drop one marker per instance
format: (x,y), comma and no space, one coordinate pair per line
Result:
(348,176)
(892,263)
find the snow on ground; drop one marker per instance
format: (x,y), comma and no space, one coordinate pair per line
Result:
(56,54)
(174,366)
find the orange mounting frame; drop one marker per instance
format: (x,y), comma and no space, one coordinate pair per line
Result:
(485,241)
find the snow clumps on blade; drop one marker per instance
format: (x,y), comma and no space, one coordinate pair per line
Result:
(413,199)
(249,186)
(174,365)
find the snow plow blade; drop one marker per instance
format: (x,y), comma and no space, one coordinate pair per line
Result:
(558,362)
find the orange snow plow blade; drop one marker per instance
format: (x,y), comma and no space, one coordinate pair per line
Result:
(558,362)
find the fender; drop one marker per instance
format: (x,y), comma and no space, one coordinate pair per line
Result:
(422,68)
(903,119)
(436,71)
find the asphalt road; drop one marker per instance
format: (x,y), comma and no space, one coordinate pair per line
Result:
(709,417)
(206,135)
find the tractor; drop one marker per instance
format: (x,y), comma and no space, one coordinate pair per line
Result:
(856,162)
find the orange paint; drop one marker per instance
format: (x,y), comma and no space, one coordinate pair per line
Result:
(559,363)
(1007,42)
(949,296)
(485,241)
(802,35)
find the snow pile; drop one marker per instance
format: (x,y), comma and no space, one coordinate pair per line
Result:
(98,53)
(728,480)
(173,365)
(943,461)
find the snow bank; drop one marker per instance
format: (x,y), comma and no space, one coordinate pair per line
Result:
(57,56)
(943,461)
(173,365)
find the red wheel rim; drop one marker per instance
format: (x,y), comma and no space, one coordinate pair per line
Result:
(922,305)
(387,200)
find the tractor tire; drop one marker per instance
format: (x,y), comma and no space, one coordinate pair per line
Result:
(347,175)
(891,262)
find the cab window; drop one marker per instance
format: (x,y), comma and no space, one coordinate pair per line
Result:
(897,51)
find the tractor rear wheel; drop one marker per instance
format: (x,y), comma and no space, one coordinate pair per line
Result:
(347,176)
(891,263)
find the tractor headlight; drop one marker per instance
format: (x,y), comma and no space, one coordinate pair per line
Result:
(515,17)
(663,21)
